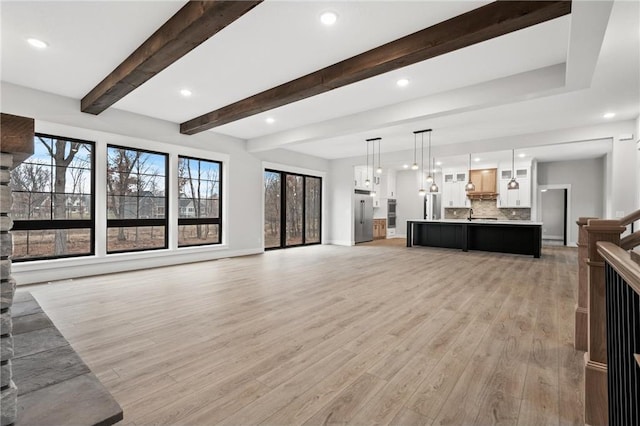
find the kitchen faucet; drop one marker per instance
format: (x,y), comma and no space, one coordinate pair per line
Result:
(470,213)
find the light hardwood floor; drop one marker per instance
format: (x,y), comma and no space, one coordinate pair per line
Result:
(328,335)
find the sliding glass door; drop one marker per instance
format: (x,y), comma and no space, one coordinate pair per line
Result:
(292,209)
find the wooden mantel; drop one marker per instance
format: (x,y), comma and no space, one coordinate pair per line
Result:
(17,136)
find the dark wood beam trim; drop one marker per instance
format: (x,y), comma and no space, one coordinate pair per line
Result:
(196,22)
(478,25)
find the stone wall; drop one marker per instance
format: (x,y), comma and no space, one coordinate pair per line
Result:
(488,209)
(8,390)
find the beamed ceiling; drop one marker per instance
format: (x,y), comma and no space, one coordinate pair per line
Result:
(476,69)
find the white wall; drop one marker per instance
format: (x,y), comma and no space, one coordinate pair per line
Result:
(242,180)
(586,178)
(624,178)
(552,213)
(409,203)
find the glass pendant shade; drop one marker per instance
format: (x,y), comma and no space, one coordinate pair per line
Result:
(429,179)
(433,187)
(422,192)
(470,187)
(513,184)
(414,166)
(367,182)
(379,170)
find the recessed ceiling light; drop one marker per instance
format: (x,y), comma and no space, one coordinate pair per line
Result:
(329,18)
(270,120)
(405,166)
(522,155)
(403,82)
(609,115)
(476,159)
(38,44)
(438,163)
(186,93)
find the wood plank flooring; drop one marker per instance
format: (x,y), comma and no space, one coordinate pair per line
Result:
(333,335)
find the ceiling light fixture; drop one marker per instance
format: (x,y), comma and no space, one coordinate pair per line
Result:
(522,155)
(476,159)
(469,187)
(422,191)
(367,182)
(414,166)
(405,166)
(328,18)
(429,177)
(373,161)
(379,169)
(513,183)
(434,187)
(609,115)
(403,82)
(38,44)
(439,163)
(270,120)
(186,93)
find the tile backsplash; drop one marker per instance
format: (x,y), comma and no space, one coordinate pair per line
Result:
(488,209)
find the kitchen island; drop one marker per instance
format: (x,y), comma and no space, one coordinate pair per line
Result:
(503,236)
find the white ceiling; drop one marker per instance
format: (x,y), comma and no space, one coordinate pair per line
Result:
(511,85)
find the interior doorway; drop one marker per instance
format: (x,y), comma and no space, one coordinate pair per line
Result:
(554,215)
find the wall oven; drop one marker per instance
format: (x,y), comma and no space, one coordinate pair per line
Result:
(391,213)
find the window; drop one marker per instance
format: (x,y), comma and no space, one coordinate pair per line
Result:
(292,209)
(136,199)
(199,206)
(53,200)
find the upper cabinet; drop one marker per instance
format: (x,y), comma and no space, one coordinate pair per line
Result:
(361,174)
(485,182)
(453,192)
(515,198)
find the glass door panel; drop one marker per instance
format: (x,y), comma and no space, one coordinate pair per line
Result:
(294,193)
(272,209)
(313,192)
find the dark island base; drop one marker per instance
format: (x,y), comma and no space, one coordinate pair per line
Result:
(498,237)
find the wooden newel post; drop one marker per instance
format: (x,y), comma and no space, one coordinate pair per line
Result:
(582,319)
(595,394)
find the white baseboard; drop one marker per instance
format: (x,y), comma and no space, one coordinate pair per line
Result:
(341,242)
(553,237)
(64,269)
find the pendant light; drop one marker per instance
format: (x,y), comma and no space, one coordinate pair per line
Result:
(422,191)
(469,187)
(379,169)
(414,166)
(513,183)
(429,177)
(367,182)
(373,161)
(434,188)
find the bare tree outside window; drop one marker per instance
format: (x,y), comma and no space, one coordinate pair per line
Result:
(199,216)
(53,198)
(136,199)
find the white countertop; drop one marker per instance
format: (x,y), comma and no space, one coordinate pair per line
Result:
(480,221)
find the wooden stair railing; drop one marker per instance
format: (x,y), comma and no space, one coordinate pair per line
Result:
(598,231)
(622,329)
(582,318)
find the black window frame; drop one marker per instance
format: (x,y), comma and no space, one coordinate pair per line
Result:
(133,223)
(283,214)
(55,224)
(205,220)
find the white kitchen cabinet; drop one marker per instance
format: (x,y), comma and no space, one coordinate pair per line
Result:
(361,174)
(453,190)
(515,198)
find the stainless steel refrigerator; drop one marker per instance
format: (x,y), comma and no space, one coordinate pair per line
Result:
(363,218)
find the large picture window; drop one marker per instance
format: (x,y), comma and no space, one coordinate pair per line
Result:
(292,209)
(136,199)
(200,214)
(53,200)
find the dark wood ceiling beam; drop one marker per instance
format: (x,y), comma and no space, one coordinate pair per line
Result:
(484,23)
(196,22)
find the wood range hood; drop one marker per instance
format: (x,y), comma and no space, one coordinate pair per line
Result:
(485,181)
